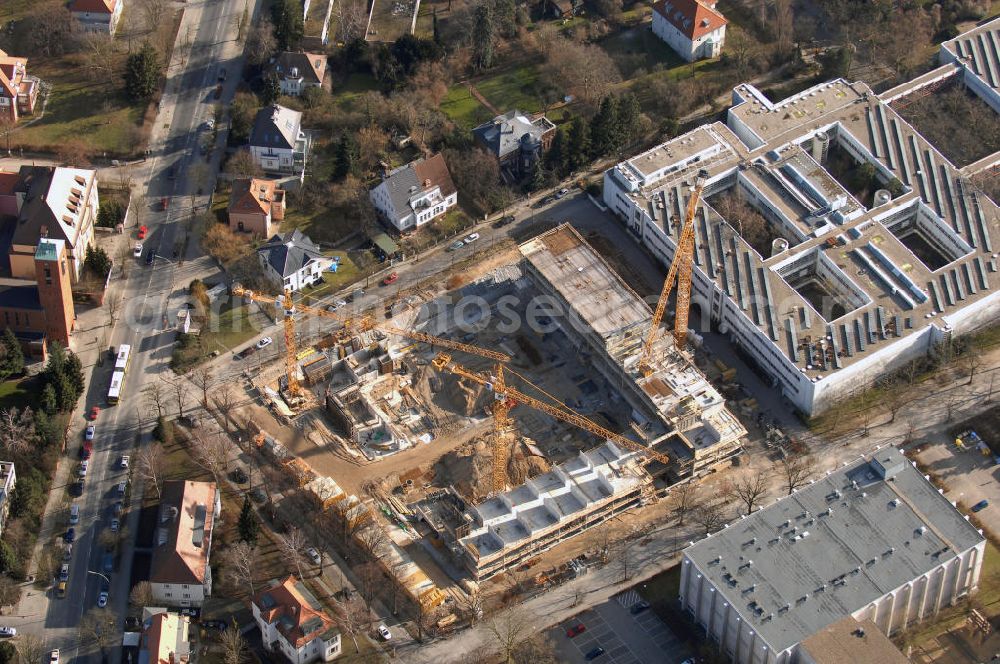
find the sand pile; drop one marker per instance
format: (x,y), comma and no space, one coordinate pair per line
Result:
(470,468)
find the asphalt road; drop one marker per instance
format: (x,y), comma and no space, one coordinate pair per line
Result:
(188,102)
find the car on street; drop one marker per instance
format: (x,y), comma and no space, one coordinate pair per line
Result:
(222,74)
(77,489)
(115,525)
(171,172)
(218,90)
(150,257)
(64,572)
(246,352)
(102,599)
(68,552)
(7,632)
(339,304)
(594,654)
(137,251)
(576,629)
(164,202)
(84,467)
(54,656)
(470,238)
(87,449)
(981,505)
(639,607)
(503,221)
(88,433)
(191,611)
(214,624)
(142,232)
(263,343)
(314,556)
(544,201)
(384,632)
(122,486)
(562,192)
(94,412)
(117,508)
(209,124)
(124,461)
(455,246)
(70,535)
(391,279)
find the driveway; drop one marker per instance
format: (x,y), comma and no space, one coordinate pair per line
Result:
(626,638)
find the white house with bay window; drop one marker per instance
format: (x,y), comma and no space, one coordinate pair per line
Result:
(415,194)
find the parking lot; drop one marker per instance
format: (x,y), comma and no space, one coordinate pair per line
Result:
(626,638)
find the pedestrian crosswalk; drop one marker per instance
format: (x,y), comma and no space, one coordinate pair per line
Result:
(628,598)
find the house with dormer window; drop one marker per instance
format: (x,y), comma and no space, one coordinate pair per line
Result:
(293,622)
(415,194)
(180,572)
(693,28)
(278,143)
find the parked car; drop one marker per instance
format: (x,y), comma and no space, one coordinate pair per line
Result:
(384,632)
(391,279)
(214,624)
(209,124)
(562,192)
(339,304)
(84,467)
(503,221)
(222,74)
(150,257)
(122,486)
(115,524)
(89,432)
(218,90)
(576,630)
(639,607)
(981,505)
(94,412)
(164,202)
(455,246)
(314,556)
(172,172)
(64,572)
(246,352)
(137,251)
(74,514)
(265,342)
(108,562)
(102,599)
(87,449)
(68,552)
(8,632)
(239,476)
(69,536)
(124,461)
(142,232)
(77,489)
(117,508)
(595,653)
(54,656)
(470,238)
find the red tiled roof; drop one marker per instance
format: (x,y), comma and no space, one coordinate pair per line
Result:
(7,183)
(96,6)
(247,196)
(693,18)
(298,620)
(436,170)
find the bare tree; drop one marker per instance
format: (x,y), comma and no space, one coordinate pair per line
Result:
(152,11)
(710,516)
(242,560)
(750,487)
(894,396)
(141,595)
(261,42)
(369,575)
(30,648)
(293,542)
(17,430)
(101,55)
(373,541)
(155,397)
(205,380)
(621,550)
(113,305)
(472,606)
(179,387)
(98,625)
(149,465)
(796,471)
(234,646)
(10,591)
(396,580)
(211,452)
(225,400)
(682,499)
(973,359)
(352,618)
(508,628)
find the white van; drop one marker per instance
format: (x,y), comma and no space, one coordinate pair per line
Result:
(74,514)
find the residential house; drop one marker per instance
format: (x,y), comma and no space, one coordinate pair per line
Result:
(41,310)
(292,261)
(293,622)
(100,16)
(516,139)
(693,28)
(255,205)
(18,91)
(412,195)
(298,71)
(49,202)
(165,637)
(180,572)
(563,8)
(277,142)
(8,480)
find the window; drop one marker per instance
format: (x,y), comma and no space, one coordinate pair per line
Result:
(17,318)
(185,586)
(168,594)
(187,596)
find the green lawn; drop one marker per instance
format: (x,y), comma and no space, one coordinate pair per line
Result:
(638,48)
(15,393)
(464,109)
(328,225)
(514,88)
(92,113)
(348,92)
(222,332)
(15,10)
(346,274)
(663,587)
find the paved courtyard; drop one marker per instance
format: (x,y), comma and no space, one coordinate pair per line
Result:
(626,638)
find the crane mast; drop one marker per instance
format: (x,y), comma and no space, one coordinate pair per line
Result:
(680,269)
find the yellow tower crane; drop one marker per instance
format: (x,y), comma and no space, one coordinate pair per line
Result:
(507,397)
(680,269)
(356,325)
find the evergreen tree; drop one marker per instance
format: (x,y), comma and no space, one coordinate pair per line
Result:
(142,72)
(577,144)
(603,126)
(345,156)
(66,392)
(8,558)
(11,355)
(629,119)
(536,177)
(98,261)
(505,14)
(555,158)
(270,88)
(50,402)
(74,371)
(483,37)
(288,27)
(248,526)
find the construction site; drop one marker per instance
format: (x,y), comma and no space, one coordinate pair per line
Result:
(570,408)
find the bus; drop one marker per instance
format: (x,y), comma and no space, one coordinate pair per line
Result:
(124,357)
(117,382)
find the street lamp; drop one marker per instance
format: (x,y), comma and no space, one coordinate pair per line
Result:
(106,579)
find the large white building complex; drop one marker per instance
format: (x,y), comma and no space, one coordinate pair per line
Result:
(873,541)
(843,290)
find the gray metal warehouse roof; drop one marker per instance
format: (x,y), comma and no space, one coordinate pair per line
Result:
(831,548)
